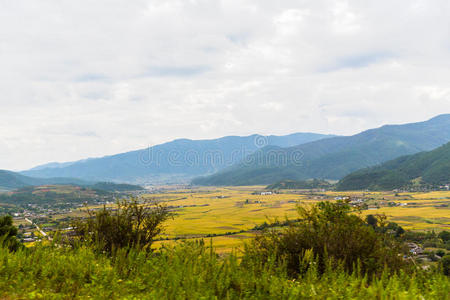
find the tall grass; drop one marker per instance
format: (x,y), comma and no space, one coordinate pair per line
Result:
(192,271)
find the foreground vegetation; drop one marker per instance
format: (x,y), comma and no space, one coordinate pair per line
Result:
(191,271)
(329,254)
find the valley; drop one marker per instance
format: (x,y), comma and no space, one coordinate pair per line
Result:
(230,216)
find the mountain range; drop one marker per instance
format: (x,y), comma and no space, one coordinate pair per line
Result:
(335,157)
(425,168)
(174,162)
(13,180)
(248,160)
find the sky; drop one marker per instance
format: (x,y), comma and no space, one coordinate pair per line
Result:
(85,78)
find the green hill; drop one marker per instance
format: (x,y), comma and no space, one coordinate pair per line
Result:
(334,158)
(299,185)
(426,168)
(116,187)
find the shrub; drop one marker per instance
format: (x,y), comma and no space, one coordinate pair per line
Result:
(190,271)
(445,262)
(444,236)
(334,236)
(8,233)
(129,225)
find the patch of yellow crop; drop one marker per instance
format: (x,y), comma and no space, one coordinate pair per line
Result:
(226,211)
(226,214)
(430,195)
(417,217)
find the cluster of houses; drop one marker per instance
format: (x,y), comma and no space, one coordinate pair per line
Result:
(445,187)
(27,234)
(414,249)
(264,193)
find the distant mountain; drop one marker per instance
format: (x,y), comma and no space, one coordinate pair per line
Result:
(429,168)
(53,165)
(173,162)
(333,158)
(299,185)
(13,180)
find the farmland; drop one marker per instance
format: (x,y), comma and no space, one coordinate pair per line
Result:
(228,215)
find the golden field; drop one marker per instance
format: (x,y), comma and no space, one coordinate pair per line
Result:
(200,213)
(227,215)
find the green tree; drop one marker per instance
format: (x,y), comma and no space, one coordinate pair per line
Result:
(444,235)
(331,233)
(372,220)
(8,233)
(129,225)
(445,262)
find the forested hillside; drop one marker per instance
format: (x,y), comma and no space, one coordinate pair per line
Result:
(425,168)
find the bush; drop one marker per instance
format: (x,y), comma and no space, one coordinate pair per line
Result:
(444,236)
(8,233)
(445,262)
(333,236)
(190,271)
(129,225)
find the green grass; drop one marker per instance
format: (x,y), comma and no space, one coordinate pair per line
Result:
(190,271)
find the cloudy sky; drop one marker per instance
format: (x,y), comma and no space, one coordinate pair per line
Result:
(89,78)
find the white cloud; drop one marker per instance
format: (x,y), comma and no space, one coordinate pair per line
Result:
(90,78)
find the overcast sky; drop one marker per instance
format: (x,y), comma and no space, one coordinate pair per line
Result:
(89,78)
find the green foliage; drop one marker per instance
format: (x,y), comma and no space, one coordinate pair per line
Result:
(303,184)
(444,235)
(372,221)
(330,234)
(130,225)
(431,167)
(8,233)
(115,187)
(445,261)
(191,271)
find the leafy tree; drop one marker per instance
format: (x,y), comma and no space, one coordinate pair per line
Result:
(444,235)
(331,234)
(445,262)
(8,233)
(372,220)
(129,225)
